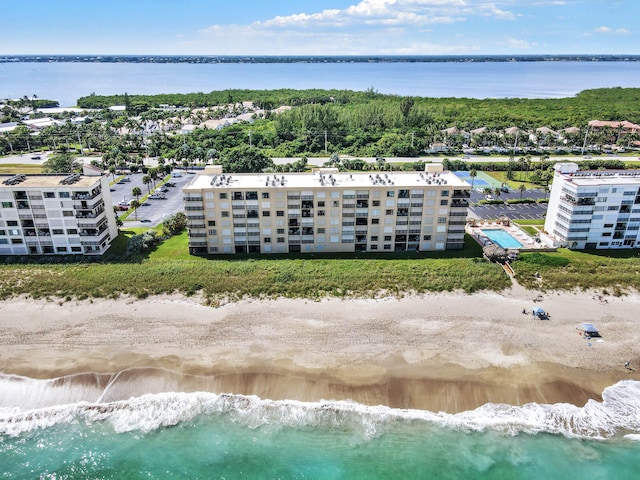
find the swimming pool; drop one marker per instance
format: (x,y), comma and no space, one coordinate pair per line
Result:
(502,238)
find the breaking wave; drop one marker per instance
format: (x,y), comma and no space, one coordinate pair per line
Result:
(28,404)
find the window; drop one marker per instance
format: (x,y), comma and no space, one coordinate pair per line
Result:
(61,249)
(336,203)
(265,194)
(444,193)
(64,195)
(321,213)
(280,239)
(444,202)
(4,241)
(374,238)
(426,237)
(225,214)
(391,193)
(321,231)
(57,231)
(76,249)
(280,231)
(375,221)
(321,204)
(266,213)
(387,247)
(389,211)
(72,231)
(7,204)
(387,238)
(16,241)
(213,231)
(267,239)
(442,219)
(280,213)
(2,232)
(211,223)
(375,203)
(67,213)
(223,195)
(12,223)
(49,195)
(374,247)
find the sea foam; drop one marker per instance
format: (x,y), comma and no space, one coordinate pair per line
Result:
(617,415)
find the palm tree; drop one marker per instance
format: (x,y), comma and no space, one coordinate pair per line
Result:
(135,204)
(522,189)
(147,181)
(473,174)
(112,171)
(136,192)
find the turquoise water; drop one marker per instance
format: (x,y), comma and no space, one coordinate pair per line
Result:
(203,435)
(502,238)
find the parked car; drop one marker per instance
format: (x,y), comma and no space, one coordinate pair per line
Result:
(157,196)
(125,179)
(36,157)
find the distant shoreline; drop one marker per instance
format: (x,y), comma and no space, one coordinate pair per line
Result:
(312,58)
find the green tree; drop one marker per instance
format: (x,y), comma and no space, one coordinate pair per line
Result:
(243,159)
(136,192)
(62,163)
(473,173)
(147,181)
(522,189)
(135,204)
(174,224)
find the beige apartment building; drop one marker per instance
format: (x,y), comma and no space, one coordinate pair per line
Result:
(56,214)
(326,211)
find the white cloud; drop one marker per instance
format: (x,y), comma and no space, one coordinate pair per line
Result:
(517,44)
(618,31)
(366,26)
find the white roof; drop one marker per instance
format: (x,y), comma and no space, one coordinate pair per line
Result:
(392,180)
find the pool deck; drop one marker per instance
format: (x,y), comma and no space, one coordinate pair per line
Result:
(529,243)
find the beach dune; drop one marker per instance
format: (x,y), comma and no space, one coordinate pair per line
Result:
(441,352)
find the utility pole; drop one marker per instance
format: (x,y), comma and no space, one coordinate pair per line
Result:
(250,144)
(80,142)
(325,142)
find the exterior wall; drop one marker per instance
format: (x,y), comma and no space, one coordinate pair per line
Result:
(594,210)
(325,218)
(53,218)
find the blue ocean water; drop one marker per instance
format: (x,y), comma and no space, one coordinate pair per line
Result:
(204,435)
(66,82)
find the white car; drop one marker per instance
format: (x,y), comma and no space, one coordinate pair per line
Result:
(157,196)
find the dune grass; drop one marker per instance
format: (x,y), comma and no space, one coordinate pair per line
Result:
(612,272)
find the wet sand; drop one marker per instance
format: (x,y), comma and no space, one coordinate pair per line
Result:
(442,352)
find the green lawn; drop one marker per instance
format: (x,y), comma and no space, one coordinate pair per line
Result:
(169,269)
(15,168)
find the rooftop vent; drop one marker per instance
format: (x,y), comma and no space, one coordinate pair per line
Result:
(73,178)
(15,179)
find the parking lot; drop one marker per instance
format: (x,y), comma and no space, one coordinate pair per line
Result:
(152,211)
(520,211)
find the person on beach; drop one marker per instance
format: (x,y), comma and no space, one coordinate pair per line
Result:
(626,365)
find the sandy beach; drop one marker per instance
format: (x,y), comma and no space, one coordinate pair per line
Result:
(442,352)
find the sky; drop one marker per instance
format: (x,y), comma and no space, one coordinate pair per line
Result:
(319,27)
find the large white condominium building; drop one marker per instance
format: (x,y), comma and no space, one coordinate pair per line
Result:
(326,211)
(593,209)
(55,214)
